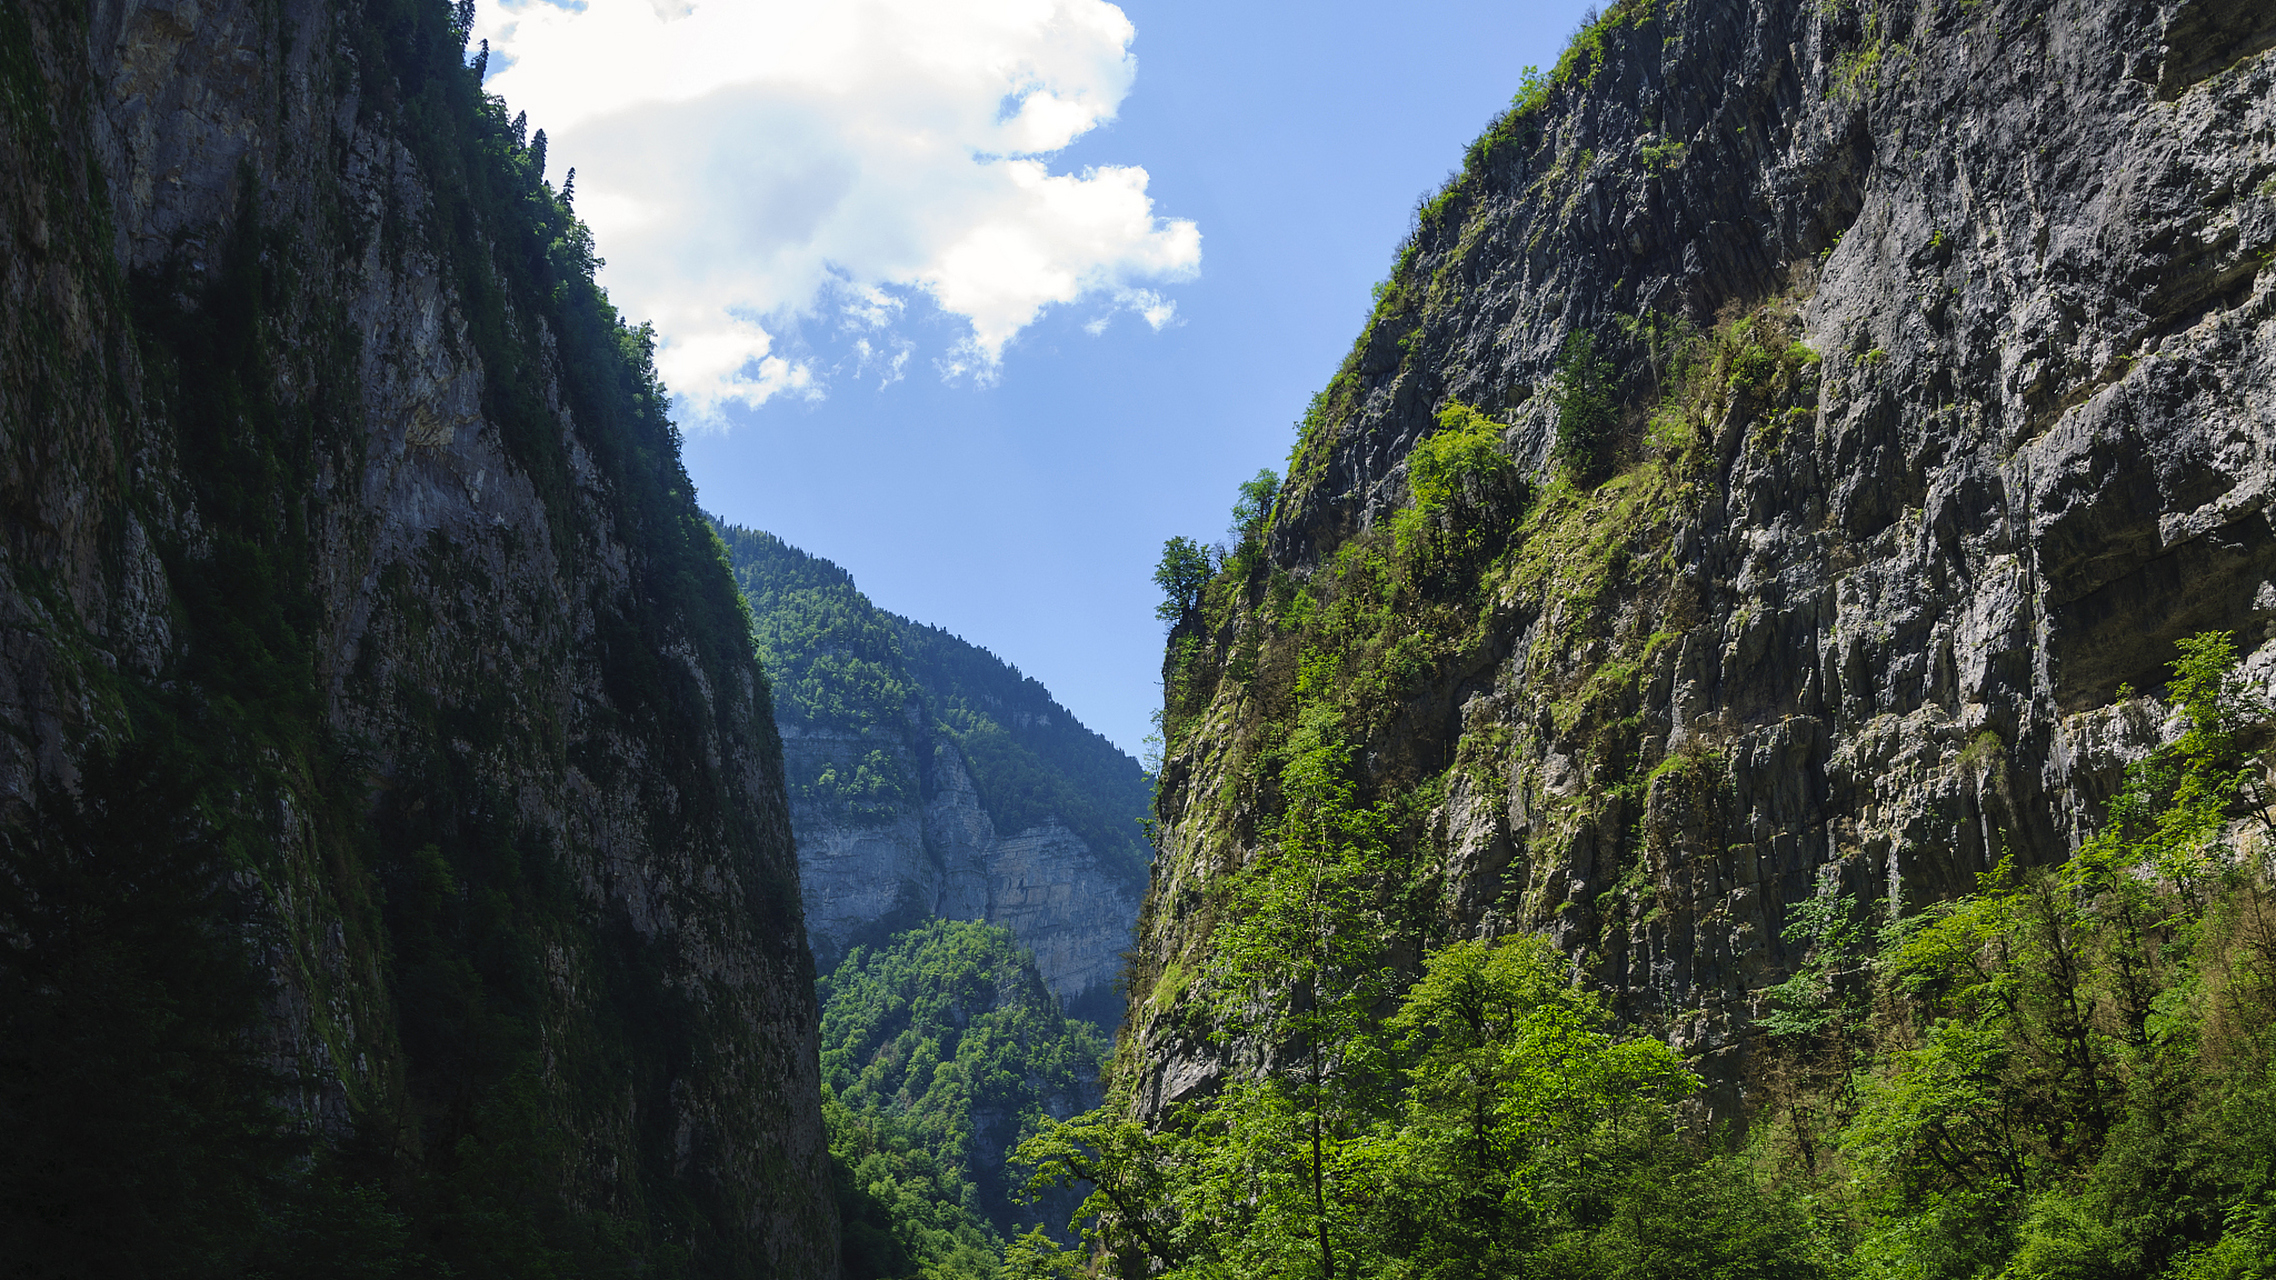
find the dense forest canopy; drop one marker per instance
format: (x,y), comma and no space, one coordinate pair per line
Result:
(941,1051)
(2069,1073)
(838,661)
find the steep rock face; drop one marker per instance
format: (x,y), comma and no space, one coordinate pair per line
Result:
(929,779)
(333,488)
(1938,341)
(866,876)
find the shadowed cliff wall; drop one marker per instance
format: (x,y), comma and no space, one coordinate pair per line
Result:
(347,557)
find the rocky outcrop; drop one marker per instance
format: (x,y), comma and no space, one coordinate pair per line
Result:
(1943,403)
(869,877)
(931,780)
(329,485)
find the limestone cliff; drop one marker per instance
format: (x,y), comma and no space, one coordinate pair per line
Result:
(930,779)
(1884,386)
(347,557)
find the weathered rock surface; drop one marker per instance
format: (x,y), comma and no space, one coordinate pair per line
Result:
(293,475)
(866,877)
(929,779)
(1869,632)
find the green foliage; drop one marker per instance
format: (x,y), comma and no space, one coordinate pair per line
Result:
(2068,1073)
(1856,68)
(940,1052)
(1252,517)
(1036,1256)
(1252,511)
(1498,1124)
(1532,91)
(1811,1002)
(1030,757)
(1464,453)
(1584,397)
(832,658)
(1662,155)
(1297,960)
(834,661)
(1185,568)
(2058,1081)
(1590,46)
(902,1210)
(1428,266)
(837,661)
(875,789)
(1509,1131)
(1464,487)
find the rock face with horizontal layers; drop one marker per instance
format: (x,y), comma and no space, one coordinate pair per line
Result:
(1939,359)
(929,779)
(340,506)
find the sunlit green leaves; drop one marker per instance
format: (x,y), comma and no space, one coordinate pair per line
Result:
(939,1051)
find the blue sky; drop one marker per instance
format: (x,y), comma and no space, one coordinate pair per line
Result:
(1005,463)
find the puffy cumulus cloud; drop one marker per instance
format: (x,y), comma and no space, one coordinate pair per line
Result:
(743,162)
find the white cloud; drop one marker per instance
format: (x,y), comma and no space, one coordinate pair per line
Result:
(1158,312)
(746,161)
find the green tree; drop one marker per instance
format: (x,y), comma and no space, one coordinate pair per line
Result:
(1252,510)
(1465,489)
(2055,1086)
(1583,395)
(1519,1133)
(941,1051)
(1298,959)
(1185,568)
(1526,1116)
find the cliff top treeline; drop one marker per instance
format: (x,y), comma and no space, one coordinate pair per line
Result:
(839,662)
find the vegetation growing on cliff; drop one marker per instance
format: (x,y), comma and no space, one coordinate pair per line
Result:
(2069,1073)
(1449,226)
(838,662)
(229,847)
(2072,1071)
(1498,1124)
(941,1050)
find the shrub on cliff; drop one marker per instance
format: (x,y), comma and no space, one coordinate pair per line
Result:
(1583,397)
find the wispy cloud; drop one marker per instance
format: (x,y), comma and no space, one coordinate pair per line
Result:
(745,162)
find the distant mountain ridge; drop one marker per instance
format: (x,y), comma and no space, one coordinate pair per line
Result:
(929,778)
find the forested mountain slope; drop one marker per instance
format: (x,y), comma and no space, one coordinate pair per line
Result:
(930,779)
(941,1050)
(395,870)
(1769,498)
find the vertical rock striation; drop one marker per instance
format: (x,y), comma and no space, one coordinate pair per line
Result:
(338,502)
(1939,338)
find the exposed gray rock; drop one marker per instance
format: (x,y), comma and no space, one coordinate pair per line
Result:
(462,609)
(1891,616)
(869,876)
(928,778)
